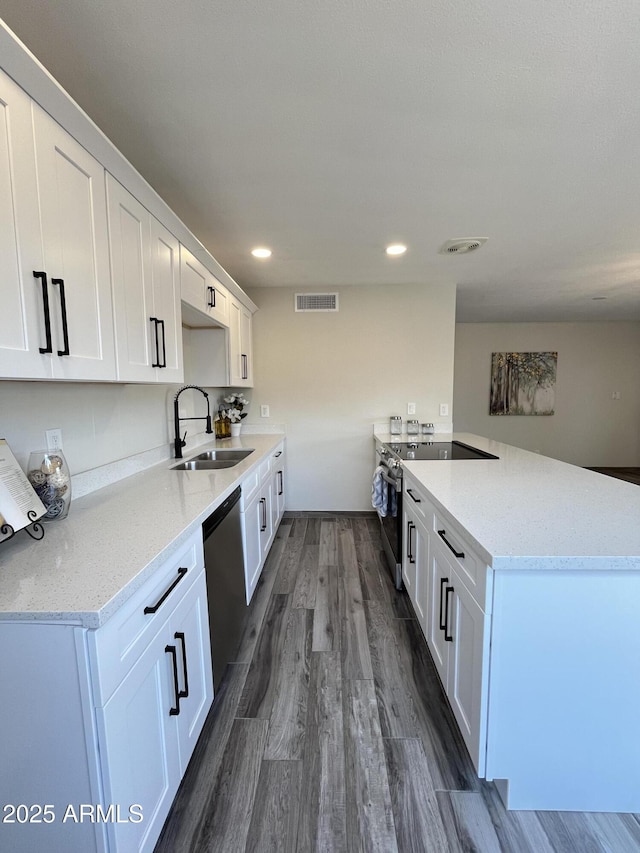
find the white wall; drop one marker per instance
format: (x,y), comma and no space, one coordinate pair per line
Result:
(101,422)
(329,377)
(594,359)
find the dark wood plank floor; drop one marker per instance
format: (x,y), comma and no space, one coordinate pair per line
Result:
(331,731)
(631,475)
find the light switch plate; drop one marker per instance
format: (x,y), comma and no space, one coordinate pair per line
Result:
(444,410)
(411,408)
(264,411)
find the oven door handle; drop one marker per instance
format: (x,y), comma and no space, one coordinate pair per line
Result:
(396,482)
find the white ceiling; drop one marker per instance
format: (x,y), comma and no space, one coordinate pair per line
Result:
(328,129)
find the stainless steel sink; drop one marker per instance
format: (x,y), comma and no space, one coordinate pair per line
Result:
(211,460)
(236,455)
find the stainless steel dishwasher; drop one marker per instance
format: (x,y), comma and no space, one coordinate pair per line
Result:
(224,569)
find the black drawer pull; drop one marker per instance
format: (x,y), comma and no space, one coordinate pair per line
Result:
(413,497)
(458,554)
(281,489)
(245,366)
(212,297)
(410,526)
(63,309)
(155,322)
(443,622)
(275,455)
(45,307)
(164,346)
(263,525)
(183,694)
(171,650)
(447,636)
(181,573)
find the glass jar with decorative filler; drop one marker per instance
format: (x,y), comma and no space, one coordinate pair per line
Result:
(49,475)
(413,427)
(395,425)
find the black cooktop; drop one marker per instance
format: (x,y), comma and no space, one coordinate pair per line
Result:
(437,450)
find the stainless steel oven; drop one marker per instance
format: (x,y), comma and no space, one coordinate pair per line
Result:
(389,458)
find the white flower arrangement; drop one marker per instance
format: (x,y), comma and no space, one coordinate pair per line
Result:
(234,409)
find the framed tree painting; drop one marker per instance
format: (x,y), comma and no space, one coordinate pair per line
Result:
(523,383)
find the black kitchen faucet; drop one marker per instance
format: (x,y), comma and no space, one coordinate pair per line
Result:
(179,443)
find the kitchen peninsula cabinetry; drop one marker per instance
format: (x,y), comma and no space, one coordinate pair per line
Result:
(113,713)
(145,270)
(452,620)
(57,316)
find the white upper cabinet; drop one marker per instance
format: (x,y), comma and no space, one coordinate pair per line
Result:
(22,331)
(76,254)
(146,294)
(202,290)
(240,348)
(56,318)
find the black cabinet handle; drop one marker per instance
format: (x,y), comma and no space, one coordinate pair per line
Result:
(281,490)
(63,310)
(410,525)
(212,297)
(458,554)
(155,322)
(171,650)
(164,346)
(413,497)
(275,455)
(45,307)
(447,636)
(245,366)
(182,694)
(154,608)
(443,622)
(263,527)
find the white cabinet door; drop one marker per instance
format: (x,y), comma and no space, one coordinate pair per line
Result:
(189,632)
(266,518)
(146,295)
(130,247)
(139,749)
(240,345)
(252,522)
(22,318)
(421,582)
(409,556)
(437,627)
(165,274)
(73,211)
(466,687)
(202,290)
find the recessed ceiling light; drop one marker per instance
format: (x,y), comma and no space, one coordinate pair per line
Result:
(396,249)
(261,252)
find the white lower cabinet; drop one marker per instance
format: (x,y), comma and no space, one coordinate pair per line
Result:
(262,508)
(454,623)
(107,719)
(149,727)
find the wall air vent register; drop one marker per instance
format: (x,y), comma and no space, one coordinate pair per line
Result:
(316,302)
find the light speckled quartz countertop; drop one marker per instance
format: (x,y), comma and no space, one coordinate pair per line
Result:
(112,540)
(526,511)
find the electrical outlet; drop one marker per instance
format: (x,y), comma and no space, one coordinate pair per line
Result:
(264,411)
(615,395)
(54,439)
(444,410)
(411,408)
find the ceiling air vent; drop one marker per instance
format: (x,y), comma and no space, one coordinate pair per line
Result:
(316,301)
(461,245)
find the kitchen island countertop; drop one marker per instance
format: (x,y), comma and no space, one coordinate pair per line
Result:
(527,511)
(89,564)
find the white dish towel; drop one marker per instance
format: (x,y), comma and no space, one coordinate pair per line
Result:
(379,492)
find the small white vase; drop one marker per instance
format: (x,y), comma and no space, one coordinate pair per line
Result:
(235,429)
